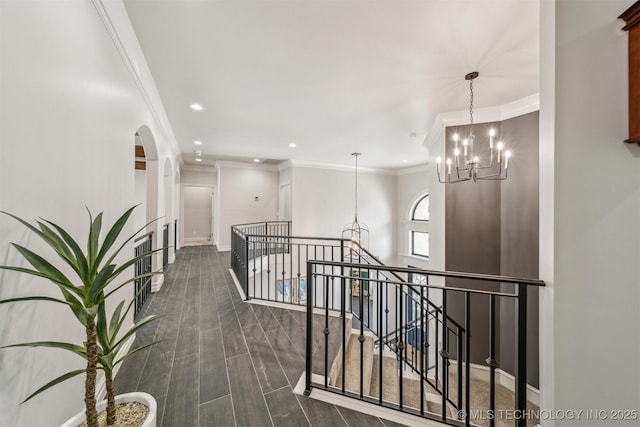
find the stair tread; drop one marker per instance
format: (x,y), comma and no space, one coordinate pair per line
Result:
(352,364)
(391,385)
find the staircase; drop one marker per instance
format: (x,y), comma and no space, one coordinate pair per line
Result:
(479,402)
(371,359)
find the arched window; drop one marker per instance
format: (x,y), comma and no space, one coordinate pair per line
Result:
(418,227)
(420,211)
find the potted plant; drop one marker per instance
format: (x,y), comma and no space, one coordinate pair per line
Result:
(86,296)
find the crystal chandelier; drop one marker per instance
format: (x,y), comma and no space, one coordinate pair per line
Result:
(355,231)
(466,164)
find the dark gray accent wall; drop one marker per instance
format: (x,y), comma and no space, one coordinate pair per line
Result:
(492,227)
(472,243)
(519,237)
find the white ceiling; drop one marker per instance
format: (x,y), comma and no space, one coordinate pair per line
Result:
(332,76)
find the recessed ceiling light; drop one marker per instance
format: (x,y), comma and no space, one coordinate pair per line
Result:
(196,107)
(292,145)
(405,161)
(256,160)
(197,142)
(198,159)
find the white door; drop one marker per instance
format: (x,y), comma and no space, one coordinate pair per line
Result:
(198,214)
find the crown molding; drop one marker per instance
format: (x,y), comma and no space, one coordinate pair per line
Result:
(198,168)
(413,169)
(240,165)
(334,166)
(499,113)
(118,25)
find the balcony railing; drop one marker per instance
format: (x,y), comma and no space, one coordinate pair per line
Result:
(165,246)
(403,313)
(245,250)
(142,285)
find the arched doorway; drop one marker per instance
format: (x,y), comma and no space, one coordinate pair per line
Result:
(145,139)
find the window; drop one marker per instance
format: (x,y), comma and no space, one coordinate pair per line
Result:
(418,227)
(420,243)
(420,210)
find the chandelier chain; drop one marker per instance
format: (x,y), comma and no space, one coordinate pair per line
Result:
(471,101)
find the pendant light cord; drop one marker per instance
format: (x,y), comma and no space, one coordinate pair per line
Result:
(356,187)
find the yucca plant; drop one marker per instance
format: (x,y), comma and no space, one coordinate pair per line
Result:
(86,295)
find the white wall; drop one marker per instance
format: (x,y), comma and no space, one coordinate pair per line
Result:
(69,113)
(238,186)
(140,194)
(285,189)
(590,204)
(323,202)
(192,175)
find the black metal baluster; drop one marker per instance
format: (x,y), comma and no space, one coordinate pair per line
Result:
(332,291)
(467,357)
(246,272)
(284,267)
(436,355)
(299,273)
(309,350)
(491,361)
(421,347)
(326,330)
(401,346)
(262,245)
(315,257)
(445,357)
(268,244)
(381,360)
(459,357)
(521,355)
(386,310)
(343,314)
(253,261)
(361,337)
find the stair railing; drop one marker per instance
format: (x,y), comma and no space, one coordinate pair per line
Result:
(455,343)
(417,300)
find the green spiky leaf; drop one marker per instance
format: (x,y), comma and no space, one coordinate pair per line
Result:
(56,381)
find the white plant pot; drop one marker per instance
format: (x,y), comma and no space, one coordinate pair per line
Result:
(144,398)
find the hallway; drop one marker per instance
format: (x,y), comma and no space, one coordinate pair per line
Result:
(224,362)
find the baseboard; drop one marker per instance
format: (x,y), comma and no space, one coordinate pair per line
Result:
(157,282)
(188,240)
(101,387)
(364,407)
(237,283)
(503,378)
(223,248)
(172,258)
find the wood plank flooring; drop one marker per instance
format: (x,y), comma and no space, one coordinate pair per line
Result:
(224,362)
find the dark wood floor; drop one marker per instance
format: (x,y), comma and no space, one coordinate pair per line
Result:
(224,362)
